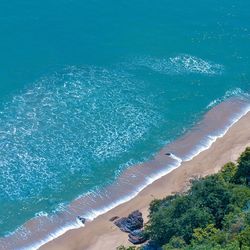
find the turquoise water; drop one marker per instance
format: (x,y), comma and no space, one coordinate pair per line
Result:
(88,88)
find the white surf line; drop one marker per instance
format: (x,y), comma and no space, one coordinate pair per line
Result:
(212,138)
(95,213)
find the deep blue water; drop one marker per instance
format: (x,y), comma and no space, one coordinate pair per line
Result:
(87,88)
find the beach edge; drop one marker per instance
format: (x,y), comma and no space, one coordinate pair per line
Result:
(102,233)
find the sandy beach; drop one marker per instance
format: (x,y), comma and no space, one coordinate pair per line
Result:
(103,234)
(107,107)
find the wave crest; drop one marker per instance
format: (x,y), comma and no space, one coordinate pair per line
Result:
(180,64)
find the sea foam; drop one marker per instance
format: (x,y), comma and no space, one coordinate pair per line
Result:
(178,65)
(153,176)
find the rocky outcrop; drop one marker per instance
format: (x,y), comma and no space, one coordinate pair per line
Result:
(82,219)
(137,237)
(133,222)
(114,218)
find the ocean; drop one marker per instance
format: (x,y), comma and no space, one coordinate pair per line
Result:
(91,89)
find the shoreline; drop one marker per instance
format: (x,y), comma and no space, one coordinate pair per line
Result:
(103,234)
(132,185)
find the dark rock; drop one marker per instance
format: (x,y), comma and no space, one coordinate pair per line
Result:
(82,219)
(137,237)
(132,222)
(114,218)
(137,232)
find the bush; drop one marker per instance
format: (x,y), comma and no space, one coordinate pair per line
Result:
(127,248)
(244,237)
(212,193)
(242,175)
(202,235)
(178,218)
(214,214)
(175,243)
(240,196)
(229,171)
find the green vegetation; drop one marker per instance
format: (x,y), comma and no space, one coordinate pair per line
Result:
(214,214)
(126,248)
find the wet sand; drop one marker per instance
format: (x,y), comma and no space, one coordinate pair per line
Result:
(102,234)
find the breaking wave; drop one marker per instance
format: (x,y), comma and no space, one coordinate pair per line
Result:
(237,92)
(65,127)
(180,64)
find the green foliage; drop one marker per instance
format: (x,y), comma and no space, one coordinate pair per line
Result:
(191,219)
(127,248)
(213,214)
(178,218)
(244,237)
(212,193)
(240,196)
(228,171)
(202,235)
(156,204)
(175,243)
(214,246)
(234,222)
(243,174)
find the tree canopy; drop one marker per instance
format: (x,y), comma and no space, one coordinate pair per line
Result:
(213,214)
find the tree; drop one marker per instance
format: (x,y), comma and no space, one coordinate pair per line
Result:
(203,235)
(213,194)
(127,248)
(156,204)
(240,196)
(244,237)
(179,218)
(213,215)
(175,243)
(228,171)
(191,219)
(242,175)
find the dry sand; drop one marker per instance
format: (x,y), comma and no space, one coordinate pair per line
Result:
(102,234)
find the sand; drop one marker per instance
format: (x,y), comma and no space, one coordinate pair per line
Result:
(103,234)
